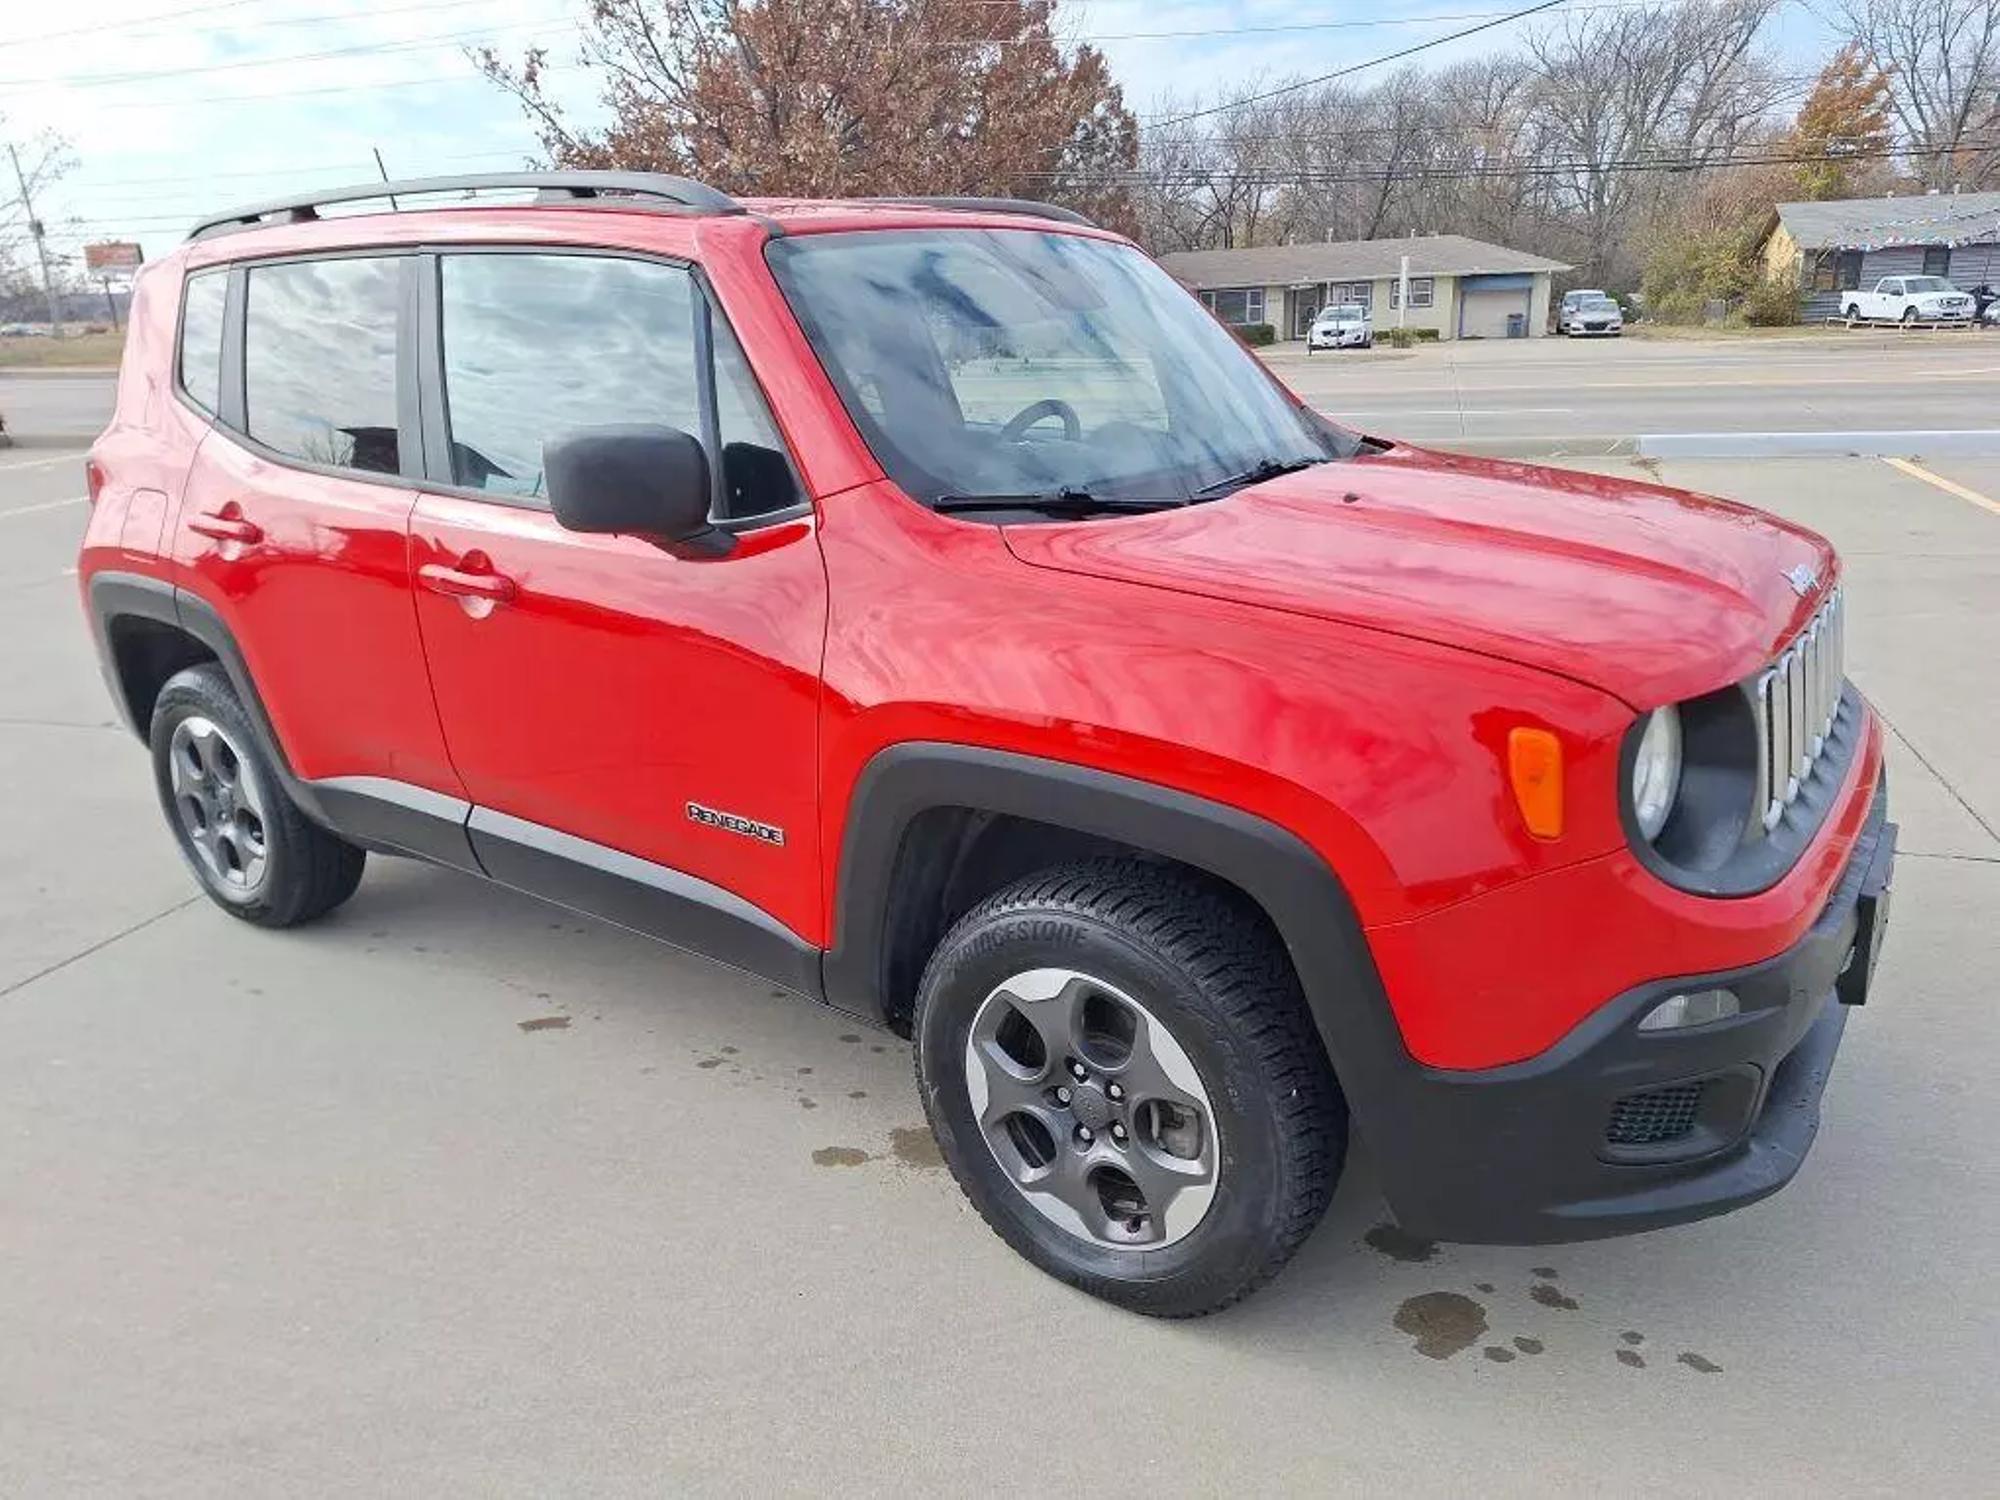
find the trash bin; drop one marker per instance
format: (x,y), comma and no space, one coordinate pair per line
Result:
(1517,325)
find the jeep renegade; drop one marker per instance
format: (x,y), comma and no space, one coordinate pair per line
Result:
(927,606)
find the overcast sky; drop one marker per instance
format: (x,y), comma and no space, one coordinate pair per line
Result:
(176,108)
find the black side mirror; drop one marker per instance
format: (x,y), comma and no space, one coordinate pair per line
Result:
(639,479)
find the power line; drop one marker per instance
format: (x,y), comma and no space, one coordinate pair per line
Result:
(1352,68)
(171,15)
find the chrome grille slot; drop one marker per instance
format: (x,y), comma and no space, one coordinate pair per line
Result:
(1797,700)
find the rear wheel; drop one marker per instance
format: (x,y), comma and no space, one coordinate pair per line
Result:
(1119,1066)
(255,854)
(1853,313)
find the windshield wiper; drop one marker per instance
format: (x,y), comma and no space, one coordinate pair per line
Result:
(1067,501)
(1263,469)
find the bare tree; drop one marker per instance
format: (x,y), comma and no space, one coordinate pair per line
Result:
(1619,91)
(1943,62)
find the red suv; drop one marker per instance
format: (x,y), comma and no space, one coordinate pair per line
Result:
(927,606)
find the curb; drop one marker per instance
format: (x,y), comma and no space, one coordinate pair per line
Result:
(1974,443)
(57,372)
(1584,446)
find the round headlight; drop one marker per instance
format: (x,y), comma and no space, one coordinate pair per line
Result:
(1656,771)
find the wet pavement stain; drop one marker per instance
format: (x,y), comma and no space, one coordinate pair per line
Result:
(545,1023)
(1632,1336)
(857,1093)
(915,1146)
(840,1156)
(805,1103)
(726,1051)
(1547,1273)
(1695,1362)
(1442,1323)
(1483,1286)
(878,1047)
(1552,1296)
(1499,1354)
(1398,1243)
(1527,1345)
(850,1036)
(1631,1358)
(709,1062)
(804,1071)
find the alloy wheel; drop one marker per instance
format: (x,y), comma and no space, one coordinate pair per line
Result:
(1093,1109)
(220,804)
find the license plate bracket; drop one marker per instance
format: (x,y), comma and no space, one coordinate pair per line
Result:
(1871,912)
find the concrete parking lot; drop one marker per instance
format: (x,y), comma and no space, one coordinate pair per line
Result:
(457,1193)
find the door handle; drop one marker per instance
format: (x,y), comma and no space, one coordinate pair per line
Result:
(225,525)
(459,584)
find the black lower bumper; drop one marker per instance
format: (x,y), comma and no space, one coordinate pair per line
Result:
(1548,1150)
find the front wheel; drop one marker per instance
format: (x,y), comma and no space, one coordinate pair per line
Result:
(1119,1066)
(1853,313)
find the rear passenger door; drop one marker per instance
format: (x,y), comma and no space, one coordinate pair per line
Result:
(636,730)
(293,528)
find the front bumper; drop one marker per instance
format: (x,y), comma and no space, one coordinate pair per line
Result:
(1529,1153)
(1353,338)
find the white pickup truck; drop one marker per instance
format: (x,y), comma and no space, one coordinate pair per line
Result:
(1909,299)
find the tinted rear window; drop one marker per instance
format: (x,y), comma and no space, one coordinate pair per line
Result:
(201,339)
(319,361)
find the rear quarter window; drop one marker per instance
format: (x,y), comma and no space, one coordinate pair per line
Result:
(201,339)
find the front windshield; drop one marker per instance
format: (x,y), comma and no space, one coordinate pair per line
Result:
(1600,305)
(988,362)
(1928,284)
(1344,314)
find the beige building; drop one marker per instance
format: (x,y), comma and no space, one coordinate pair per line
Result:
(1463,288)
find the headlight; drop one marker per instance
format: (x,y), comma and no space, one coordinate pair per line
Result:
(1656,771)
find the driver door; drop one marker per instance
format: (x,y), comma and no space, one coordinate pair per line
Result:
(598,696)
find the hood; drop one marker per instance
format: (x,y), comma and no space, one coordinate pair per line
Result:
(1649,593)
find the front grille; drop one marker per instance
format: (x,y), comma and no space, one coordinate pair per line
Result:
(1653,1117)
(1796,700)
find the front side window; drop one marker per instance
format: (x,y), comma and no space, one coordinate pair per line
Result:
(319,361)
(201,339)
(1922,285)
(982,362)
(536,346)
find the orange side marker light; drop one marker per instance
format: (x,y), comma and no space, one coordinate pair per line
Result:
(1535,767)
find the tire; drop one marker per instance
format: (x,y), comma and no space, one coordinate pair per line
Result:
(1909,315)
(254,853)
(1192,968)
(1853,313)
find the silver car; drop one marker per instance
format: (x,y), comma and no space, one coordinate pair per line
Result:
(1591,315)
(1345,325)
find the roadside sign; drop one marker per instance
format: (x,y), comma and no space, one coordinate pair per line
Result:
(112,257)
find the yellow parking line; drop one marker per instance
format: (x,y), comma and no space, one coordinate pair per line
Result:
(1950,487)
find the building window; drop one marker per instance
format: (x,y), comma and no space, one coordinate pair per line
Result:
(1937,260)
(1836,271)
(1422,291)
(1358,293)
(1236,306)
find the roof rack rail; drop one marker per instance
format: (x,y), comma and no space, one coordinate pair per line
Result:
(682,192)
(1026,207)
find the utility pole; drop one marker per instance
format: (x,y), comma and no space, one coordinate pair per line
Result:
(41,243)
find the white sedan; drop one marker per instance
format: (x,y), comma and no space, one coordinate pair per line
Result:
(1345,325)
(1595,316)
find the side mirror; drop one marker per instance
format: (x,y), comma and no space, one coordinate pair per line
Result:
(641,480)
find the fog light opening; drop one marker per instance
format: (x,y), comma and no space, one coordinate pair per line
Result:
(1698,1008)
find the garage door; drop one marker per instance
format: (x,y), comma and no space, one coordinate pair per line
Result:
(1484,312)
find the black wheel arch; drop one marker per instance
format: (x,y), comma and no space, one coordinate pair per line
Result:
(1301,896)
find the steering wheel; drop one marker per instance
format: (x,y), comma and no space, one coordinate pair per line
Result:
(1018,424)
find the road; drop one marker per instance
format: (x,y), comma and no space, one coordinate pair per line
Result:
(51,407)
(1873,379)
(323,1212)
